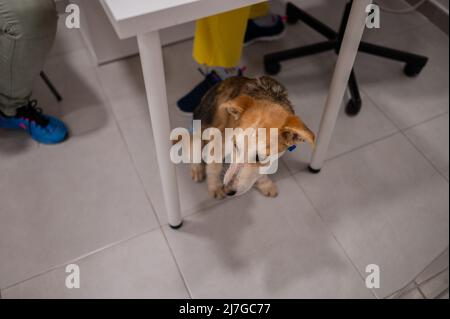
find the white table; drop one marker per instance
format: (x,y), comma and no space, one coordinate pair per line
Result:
(144,18)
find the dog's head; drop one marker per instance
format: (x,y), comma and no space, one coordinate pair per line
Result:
(265,110)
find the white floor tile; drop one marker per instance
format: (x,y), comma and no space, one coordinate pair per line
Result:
(14,143)
(413,294)
(254,247)
(435,286)
(386,205)
(138,268)
(431,138)
(62,201)
(408,101)
(434,268)
(405,290)
(122,79)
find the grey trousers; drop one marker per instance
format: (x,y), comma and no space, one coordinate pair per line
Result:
(27,33)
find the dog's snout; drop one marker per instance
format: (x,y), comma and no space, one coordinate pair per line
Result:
(231,193)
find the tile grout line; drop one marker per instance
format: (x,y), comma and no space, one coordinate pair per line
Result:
(403,132)
(425,121)
(433,276)
(180,272)
(325,224)
(402,291)
(421,292)
(439,296)
(432,261)
(394,123)
(349,151)
(438,171)
(81,257)
(413,281)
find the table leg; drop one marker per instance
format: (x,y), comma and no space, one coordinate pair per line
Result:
(155,86)
(344,65)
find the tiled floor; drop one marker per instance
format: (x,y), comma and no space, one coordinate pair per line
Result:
(382,197)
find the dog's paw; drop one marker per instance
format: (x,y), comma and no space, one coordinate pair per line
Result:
(198,173)
(217,192)
(268,189)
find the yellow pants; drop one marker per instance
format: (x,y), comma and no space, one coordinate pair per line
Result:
(219,39)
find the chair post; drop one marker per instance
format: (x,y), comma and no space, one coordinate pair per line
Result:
(51,86)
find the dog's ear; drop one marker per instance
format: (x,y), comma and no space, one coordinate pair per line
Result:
(294,131)
(238,106)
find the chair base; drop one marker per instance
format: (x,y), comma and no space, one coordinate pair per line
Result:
(413,63)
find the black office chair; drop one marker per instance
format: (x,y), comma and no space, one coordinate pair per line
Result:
(50,85)
(414,63)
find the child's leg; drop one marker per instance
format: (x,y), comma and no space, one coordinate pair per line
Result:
(218,45)
(219,39)
(259,10)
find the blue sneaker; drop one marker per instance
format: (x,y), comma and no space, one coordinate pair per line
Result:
(42,128)
(256,32)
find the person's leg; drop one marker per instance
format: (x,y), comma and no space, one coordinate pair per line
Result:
(27,33)
(259,10)
(218,45)
(218,39)
(28,29)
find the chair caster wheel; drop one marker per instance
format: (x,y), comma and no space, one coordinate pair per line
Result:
(353,107)
(272,68)
(412,70)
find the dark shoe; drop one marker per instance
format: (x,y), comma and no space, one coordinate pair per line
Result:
(189,102)
(256,32)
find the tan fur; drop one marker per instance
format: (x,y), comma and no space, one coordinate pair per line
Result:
(249,103)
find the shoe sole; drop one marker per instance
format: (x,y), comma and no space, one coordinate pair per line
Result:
(265,39)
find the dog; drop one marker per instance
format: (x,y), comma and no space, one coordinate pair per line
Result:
(241,102)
